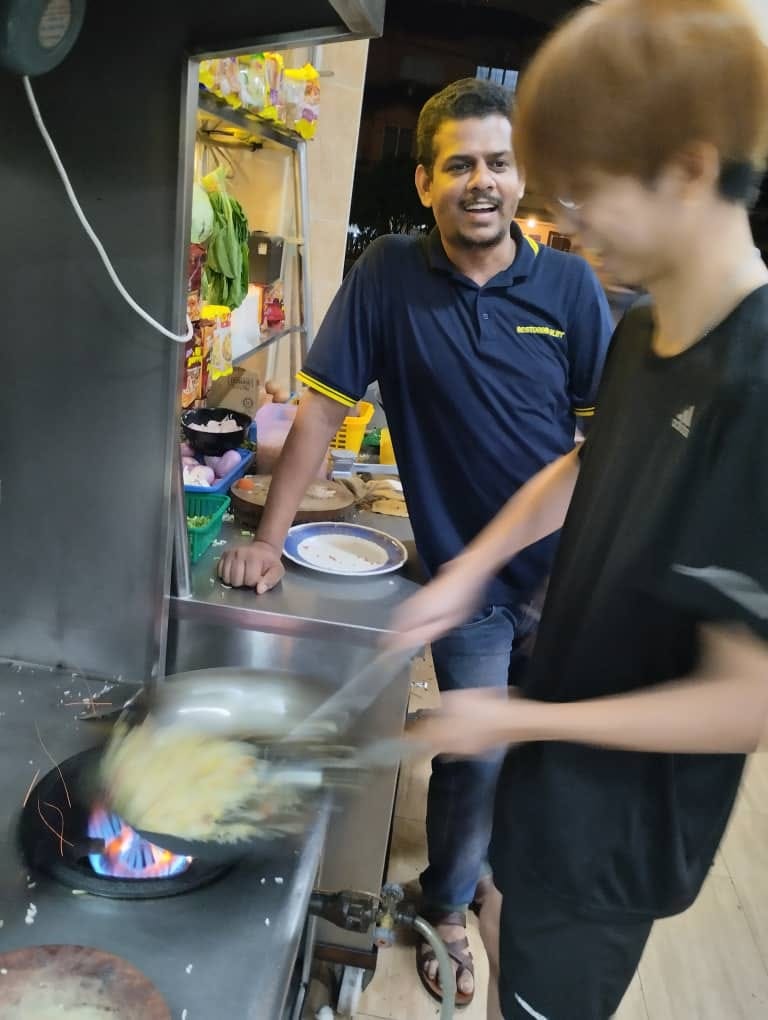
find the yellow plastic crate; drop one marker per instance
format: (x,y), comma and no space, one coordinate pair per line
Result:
(386,453)
(350,435)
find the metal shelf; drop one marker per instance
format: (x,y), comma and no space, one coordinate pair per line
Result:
(269,337)
(263,129)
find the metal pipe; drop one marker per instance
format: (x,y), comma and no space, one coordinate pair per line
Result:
(181,561)
(445,967)
(303,231)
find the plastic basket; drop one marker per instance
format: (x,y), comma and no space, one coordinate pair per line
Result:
(350,435)
(208,505)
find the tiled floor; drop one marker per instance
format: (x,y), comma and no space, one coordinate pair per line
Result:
(708,964)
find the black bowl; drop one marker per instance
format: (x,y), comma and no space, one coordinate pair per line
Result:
(214,444)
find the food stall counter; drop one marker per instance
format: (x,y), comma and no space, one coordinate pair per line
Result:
(305,603)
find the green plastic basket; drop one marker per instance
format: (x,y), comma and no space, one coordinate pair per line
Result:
(210,505)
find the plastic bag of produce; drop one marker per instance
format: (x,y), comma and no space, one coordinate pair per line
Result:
(202,215)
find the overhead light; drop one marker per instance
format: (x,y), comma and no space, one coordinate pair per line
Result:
(532,223)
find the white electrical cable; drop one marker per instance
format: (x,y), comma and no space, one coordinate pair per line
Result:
(89,229)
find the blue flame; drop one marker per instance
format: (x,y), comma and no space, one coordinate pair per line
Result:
(128,855)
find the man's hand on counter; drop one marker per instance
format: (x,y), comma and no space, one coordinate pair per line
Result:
(256,566)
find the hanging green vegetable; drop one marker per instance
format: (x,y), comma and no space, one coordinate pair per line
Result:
(225,278)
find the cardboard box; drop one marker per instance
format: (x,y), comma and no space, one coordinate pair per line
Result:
(240,391)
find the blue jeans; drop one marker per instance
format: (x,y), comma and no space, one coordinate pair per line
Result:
(461,793)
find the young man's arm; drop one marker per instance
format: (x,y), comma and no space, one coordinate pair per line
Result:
(716,569)
(259,565)
(342,363)
(536,510)
(721,708)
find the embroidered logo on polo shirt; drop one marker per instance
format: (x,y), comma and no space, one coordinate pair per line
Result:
(542,331)
(682,422)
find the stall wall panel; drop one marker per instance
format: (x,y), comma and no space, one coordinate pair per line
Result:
(86,388)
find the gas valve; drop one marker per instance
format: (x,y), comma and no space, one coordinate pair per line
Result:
(362,912)
(352,911)
(389,916)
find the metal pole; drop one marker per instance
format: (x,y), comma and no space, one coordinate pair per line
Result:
(305,286)
(182,568)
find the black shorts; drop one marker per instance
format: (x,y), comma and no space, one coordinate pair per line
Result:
(558,966)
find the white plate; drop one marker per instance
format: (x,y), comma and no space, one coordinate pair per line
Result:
(348,550)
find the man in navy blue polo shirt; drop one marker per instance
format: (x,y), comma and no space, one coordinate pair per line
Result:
(487,348)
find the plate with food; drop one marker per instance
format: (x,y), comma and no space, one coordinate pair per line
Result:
(348,550)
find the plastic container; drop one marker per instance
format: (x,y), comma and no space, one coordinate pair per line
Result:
(224,484)
(213,506)
(350,435)
(273,423)
(386,452)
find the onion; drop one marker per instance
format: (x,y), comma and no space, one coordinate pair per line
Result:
(229,462)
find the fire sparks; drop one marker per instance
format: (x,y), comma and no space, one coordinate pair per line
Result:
(128,855)
(58,834)
(55,765)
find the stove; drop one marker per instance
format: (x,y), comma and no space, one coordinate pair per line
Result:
(215,941)
(65,833)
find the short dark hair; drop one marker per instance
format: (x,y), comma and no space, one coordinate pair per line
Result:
(468,97)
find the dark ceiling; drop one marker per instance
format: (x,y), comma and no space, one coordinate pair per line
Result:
(543,13)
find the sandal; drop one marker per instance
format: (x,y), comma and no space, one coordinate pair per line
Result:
(458,950)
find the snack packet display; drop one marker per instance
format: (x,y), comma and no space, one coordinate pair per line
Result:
(261,85)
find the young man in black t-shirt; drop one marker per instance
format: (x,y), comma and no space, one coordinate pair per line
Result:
(647,122)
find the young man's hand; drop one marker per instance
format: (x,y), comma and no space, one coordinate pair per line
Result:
(257,566)
(445,603)
(475,721)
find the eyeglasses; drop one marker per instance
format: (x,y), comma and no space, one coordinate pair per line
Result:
(570,205)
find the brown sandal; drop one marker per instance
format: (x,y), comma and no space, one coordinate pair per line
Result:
(458,950)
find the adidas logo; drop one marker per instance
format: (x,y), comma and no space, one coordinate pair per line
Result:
(682,422)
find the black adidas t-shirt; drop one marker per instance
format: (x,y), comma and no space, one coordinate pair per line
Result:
(668,527)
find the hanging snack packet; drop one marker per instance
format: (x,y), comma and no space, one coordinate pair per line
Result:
(253,82)
(273,73)
(301,89)
(220,357)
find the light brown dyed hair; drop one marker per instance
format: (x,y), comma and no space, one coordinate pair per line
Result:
(623,86)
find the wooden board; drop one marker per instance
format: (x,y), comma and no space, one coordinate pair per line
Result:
(247,505)
(63,982)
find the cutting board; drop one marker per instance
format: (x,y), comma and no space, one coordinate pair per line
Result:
(323,501)
(63,982)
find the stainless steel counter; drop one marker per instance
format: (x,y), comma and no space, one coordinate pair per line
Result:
(305,602)
(317,625)
(227,950)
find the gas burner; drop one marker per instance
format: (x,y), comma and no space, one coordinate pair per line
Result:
(65,833)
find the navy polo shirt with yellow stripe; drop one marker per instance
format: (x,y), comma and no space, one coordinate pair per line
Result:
(481,386)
